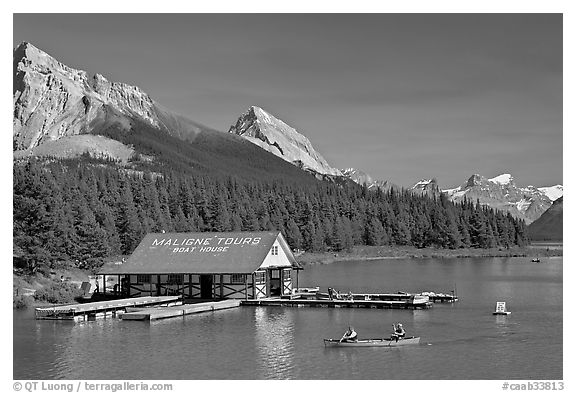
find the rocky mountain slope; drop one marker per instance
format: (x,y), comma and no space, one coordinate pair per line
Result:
(273,135)
(427,187)
(52,101)
(549,225)
(502,193)
(277,137)
(63,112)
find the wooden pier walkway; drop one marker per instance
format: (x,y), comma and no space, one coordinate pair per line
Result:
(93,310)
(302,302)
(150,314)
(398,296)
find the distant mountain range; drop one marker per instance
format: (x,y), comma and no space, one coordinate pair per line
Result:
(363,178)
(499,192)
(60,111)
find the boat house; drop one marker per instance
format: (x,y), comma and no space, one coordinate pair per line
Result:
(208,265)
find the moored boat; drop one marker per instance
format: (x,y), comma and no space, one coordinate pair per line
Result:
(372,342)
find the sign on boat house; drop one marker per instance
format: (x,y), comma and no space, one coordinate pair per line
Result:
(208,265)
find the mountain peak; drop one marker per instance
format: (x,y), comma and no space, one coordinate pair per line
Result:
(427,186)
(503,179)
(474,180)
(364,179)
(52,100)
(26,48)
(277,137)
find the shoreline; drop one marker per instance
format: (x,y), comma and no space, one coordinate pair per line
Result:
(367,253)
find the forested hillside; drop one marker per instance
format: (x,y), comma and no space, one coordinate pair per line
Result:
(83,210)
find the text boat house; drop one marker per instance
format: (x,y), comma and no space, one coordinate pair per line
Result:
(208,265)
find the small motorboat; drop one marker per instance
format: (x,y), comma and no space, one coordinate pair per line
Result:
(536,259)
(373,342)
(501,309)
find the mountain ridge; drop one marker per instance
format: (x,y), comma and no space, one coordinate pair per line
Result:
(63,112)
(280,139)
(501,192)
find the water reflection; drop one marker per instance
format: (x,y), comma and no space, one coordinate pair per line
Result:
(284,342)
(274,342)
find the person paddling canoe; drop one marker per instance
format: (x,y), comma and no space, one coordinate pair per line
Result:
(350,335)
(399,331)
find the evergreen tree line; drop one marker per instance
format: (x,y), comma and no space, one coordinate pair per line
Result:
(81,211)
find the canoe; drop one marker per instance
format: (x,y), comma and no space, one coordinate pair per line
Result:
(373,342)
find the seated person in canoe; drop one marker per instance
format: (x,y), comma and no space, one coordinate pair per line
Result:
(350,335)
(399,331)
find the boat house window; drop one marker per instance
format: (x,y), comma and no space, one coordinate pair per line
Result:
(237,279)
(274,250)
(260,277)
(143,278)
(175,279)
(286,274)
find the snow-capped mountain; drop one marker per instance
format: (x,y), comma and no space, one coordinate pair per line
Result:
(53,101)
(428,187)
(363,178)
(502,193)
(277,137)
(553,192)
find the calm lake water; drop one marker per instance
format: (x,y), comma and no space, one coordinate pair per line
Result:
(458,341)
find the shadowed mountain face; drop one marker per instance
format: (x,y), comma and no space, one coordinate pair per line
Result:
(63,112)
(549,225)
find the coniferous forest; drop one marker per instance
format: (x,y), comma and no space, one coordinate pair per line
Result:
(78,212)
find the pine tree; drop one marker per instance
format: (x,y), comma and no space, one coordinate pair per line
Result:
(293,235)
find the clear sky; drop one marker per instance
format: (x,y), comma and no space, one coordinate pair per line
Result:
(400,96)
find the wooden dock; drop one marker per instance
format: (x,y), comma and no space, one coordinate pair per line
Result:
(334,303)
(423,297)
(103,309)
(150,314)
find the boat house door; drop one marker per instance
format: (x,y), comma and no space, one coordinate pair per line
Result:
(206,282)
(274,280)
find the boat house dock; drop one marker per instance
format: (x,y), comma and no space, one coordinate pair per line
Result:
(109,308)
(151,314)
(326,303)
(177,274)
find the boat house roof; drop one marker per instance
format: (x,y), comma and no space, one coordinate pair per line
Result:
(201,253)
